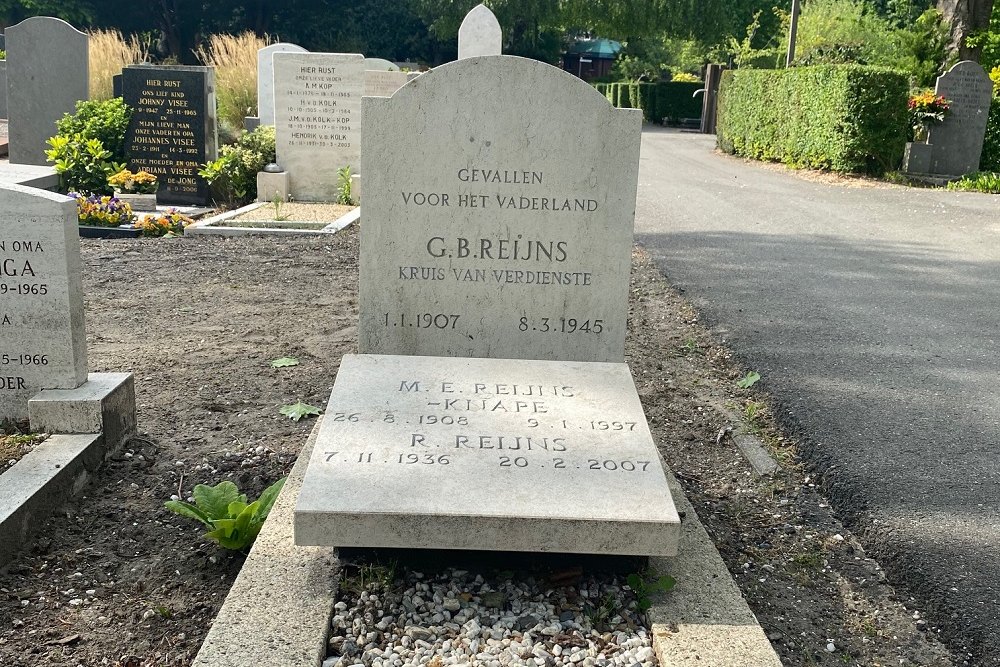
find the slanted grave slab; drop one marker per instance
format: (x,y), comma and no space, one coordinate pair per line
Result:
(957,142)
(317,108)
(486,454)
(42,337)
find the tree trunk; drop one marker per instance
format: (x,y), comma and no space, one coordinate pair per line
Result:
(965,17)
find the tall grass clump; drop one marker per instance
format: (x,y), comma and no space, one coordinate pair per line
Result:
(109,53)
(234,58)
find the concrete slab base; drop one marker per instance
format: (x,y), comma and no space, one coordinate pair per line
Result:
(46,477)
(278,611)
(104,404)
(214,226)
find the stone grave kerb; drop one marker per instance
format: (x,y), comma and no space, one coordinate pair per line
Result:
(589,239)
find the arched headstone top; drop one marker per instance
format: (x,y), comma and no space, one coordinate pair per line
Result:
(47,24)
(479,34)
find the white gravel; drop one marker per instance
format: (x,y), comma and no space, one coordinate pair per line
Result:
(464,618)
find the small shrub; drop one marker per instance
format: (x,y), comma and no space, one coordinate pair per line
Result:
(141,182)
(168,223)
(344,186)
(990,159)
(234,58)
(83,164)
(981,181)
(234,175)
(98,211)
(104,120)
(684,77)
(233,522)
(664,101)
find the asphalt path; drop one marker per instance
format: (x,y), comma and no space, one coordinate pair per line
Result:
(873,317)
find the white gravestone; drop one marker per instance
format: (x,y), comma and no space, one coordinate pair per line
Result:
(381,64)
(494,227)
(380,83)
(265,78)
(486,454)
(317,119)
(42,337)
(957,143)
(479,34)
(47,74)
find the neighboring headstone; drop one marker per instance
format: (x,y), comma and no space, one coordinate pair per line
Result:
(3,89)
(479,34)
(486,454)
(173,129)
(116,85)
(317,109)
(42,337)
(517,239)
(958,141)
(380,65)
(47,74)
(265,78)
(380,83)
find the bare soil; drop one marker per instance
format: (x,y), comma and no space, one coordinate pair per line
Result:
(297,211)
(114,579)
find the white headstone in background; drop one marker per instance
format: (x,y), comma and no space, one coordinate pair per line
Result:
(380,64)
(494,227)
(317,119)
(380,83)
(957,143)
(479,34)
(43,344)
(265,78)
(47,74)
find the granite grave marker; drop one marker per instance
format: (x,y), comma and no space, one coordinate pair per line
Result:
(42,337)
(173,129)
(265,78)
(47,74)
(957,142)
(317,110)
(479,34)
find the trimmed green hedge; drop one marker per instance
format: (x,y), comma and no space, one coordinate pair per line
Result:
(664,101)
(849,118)
(990,160)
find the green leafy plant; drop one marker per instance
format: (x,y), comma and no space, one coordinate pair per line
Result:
(277,202)
(107,121)
(83,165)
(234,175)
(233,523)
(748,380)
(297,411)
(344,186)
(284,362)
(926,109)
(603,611)
(981,181)
(643,587)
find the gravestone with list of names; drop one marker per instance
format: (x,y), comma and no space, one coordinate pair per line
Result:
(490,408)
(42,337)
(317,119)
(957,142)
(172,132)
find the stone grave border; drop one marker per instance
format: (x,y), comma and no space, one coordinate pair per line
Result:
(703,618)
(94,422)
(211,227)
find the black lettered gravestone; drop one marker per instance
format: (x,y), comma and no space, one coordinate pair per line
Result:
(116,85)
(173,131)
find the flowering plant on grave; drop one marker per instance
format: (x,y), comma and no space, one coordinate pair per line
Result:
(101,210)
(926,109)
(140,183)
(170,222)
